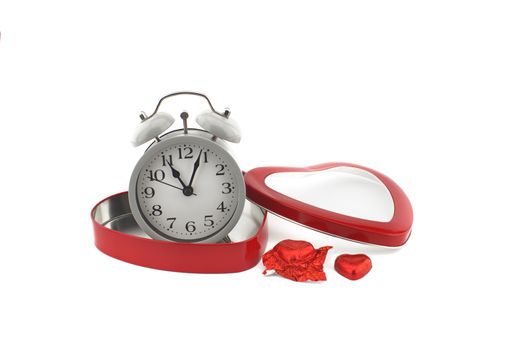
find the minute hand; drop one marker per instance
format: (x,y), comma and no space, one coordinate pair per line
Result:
(195,167)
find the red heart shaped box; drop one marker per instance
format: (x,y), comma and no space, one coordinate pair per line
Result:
(392,234)
(243,255)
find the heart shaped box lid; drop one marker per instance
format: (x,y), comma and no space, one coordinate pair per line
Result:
(392,231)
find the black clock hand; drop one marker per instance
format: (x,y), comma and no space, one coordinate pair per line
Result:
(176,175)
(168,184)
(195,167)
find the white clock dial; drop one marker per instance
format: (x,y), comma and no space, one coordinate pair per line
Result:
(188,190)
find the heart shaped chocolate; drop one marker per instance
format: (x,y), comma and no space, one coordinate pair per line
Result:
(389,225)
(353,266)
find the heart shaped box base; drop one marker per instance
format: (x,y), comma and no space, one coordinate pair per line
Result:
(119,236)
(392,233)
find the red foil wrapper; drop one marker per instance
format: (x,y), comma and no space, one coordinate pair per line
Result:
(296,260)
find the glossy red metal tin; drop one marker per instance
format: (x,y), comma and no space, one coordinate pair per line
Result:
(392,233)
(172,256)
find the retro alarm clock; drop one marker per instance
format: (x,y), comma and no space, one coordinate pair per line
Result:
(187,187)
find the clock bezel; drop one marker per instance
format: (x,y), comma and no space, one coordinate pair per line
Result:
(204,139)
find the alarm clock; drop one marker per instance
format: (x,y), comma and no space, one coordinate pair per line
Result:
(187,187)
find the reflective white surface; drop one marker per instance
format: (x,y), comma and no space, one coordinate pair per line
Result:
(344,190)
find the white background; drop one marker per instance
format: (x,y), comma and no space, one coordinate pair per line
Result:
(429,93)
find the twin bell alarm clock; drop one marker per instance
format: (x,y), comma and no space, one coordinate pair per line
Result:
(187,187)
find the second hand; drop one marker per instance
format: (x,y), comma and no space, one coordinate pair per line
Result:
(168,184)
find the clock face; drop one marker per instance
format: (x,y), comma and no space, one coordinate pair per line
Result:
(187,189)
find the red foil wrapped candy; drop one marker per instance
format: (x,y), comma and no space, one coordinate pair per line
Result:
(296,260)
(353,266)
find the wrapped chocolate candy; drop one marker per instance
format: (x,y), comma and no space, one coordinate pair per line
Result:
(353,266)
(296,260)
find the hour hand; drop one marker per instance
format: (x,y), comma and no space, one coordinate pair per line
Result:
(176,175)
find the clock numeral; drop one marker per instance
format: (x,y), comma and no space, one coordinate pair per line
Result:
(205,156)
(167,160)
(157,210)
(226,187)
(221,170)
(208,222)
(172,221)
(188,153)
(156,175)
(221,207)
(190,226)
(149,192)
